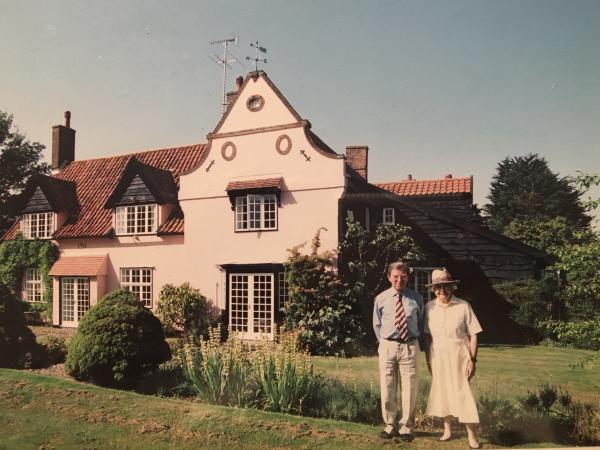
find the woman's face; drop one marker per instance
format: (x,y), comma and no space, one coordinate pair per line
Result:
(443,292)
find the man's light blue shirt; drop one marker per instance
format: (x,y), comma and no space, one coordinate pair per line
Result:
(384,314)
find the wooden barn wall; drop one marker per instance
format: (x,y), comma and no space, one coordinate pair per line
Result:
(137,192)
(38,202)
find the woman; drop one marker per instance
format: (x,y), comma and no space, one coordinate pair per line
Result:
(451,356)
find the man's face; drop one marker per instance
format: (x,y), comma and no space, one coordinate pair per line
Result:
(398,279)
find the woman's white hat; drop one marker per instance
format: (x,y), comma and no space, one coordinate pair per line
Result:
(441,276)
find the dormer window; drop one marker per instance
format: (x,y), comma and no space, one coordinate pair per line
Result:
(256,212)
(38,225)
(136,219)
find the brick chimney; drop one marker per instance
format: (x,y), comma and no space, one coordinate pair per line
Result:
(63,143)
(357,156)
(231,95)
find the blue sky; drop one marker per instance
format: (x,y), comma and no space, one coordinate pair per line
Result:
(433,87)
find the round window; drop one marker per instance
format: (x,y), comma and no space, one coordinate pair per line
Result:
(228,151)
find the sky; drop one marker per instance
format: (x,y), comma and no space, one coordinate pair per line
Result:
(432,87)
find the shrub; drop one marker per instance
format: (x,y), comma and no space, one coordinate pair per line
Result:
(185,308)
(117,342)
(321,308)
(220,372)
(584,334)
(285,375)
(18,347)
(546,415)
(56,349)
(531,300)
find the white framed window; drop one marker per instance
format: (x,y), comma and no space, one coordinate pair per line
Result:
(256,212)
(251,305)
(421,276)
(75,299)
(38,225)
(389,216)
(33,287)
(136,219)
(283,293)
(139,281)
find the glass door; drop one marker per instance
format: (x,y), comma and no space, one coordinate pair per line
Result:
(75,299)
(251,305)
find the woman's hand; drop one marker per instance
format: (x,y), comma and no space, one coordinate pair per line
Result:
(429,366)
(470,370)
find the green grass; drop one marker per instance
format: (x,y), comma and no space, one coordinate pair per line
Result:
(503,371)
(37,411)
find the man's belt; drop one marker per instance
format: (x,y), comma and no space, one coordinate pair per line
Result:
(401,341)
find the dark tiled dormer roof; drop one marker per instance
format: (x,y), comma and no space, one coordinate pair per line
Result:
(439,187)
(96,179)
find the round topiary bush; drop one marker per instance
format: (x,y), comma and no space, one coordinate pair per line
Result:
(18,347)
(117,342)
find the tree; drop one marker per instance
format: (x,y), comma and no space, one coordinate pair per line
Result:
(524,187)
(19,158)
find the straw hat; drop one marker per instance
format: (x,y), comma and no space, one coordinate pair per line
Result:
(441,276)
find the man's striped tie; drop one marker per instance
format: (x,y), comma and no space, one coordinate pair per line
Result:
(400,321)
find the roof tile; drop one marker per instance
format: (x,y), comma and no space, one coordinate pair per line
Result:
(443,186)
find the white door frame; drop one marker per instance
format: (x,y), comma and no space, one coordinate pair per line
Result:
(252,305)
(74,299)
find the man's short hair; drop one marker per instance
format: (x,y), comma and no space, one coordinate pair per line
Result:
(398,265)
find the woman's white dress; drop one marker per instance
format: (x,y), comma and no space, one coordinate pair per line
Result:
(450,327)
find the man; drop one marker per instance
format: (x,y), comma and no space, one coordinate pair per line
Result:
(398,316)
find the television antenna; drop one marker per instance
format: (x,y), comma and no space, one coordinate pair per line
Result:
(225,61)
(259,52)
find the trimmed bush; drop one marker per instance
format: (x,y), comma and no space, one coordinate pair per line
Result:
(118,341)
(185,308)
(18,347)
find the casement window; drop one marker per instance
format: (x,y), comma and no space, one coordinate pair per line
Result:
(256,212)
(139,281)
(136,219)
(389,216)
(38,225)
(420,277)
(282,295)
(33,288)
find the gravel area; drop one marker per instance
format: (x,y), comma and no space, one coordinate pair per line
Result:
(57,370)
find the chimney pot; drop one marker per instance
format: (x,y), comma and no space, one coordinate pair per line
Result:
(239,81)
(68,119)
(449,175)
(409,177)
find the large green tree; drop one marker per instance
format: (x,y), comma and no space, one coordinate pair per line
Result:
(19,158)
(524,187)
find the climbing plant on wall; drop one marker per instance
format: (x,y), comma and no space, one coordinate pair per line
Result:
(20,254)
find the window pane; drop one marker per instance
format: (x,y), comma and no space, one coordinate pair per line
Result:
(138,281)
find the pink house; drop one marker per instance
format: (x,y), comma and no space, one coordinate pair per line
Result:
(222,214)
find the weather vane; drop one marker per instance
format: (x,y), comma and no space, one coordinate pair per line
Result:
(224,61)
(259,52)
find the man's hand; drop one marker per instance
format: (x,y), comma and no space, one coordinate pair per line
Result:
(470,370)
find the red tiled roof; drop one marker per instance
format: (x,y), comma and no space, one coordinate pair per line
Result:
(90,266)
(95,180)
(265,183)
(443,186)
(173,224)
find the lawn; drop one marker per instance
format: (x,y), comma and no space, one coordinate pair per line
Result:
(504,371)
(41,412)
